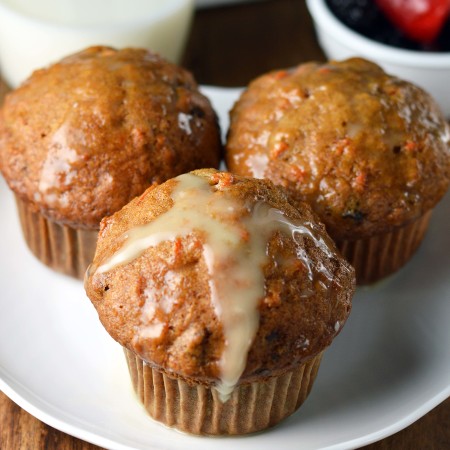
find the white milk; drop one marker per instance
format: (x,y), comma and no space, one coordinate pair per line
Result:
(35,33)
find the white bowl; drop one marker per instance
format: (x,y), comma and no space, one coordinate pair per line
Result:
(429,70)
(35,33)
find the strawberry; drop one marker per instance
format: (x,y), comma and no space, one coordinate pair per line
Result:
(420,20)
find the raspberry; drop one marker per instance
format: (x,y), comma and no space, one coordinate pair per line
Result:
(368,19)
(420,20)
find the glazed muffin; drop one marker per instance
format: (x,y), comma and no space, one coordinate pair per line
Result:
(368,151)
(224,297)
(80,139)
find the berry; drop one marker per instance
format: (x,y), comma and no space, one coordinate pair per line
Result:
(420,20)
(389,35)
(368,19)
(356,14)
(443,40)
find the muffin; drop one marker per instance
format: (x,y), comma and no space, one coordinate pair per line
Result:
(224,297)
(80,139)
(368,151)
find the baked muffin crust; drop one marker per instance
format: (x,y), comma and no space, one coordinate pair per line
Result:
(81,138)
(306,292)
(367,150)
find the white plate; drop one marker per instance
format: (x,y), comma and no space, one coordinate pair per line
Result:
(388,367)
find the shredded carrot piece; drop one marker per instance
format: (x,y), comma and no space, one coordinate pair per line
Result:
(177,247)
(280,74)
(226,179)
(341,144)
(278,149)
(410,146)
(360,181)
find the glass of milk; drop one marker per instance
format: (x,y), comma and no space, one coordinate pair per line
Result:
(35,33)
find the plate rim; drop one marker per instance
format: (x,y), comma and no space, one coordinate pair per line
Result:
(29,401)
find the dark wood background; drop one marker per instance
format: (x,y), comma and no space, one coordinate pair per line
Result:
(228,46)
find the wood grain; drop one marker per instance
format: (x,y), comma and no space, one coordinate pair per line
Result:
(229,46)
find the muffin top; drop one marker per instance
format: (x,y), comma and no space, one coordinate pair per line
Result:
(80,139)
(217,278)
(367,150)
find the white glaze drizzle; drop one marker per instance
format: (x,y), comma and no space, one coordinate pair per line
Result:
(184,122)
(234,251)
(58,163)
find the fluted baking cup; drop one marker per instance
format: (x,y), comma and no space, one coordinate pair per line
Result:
(197,409)
(63,248)
(379,256)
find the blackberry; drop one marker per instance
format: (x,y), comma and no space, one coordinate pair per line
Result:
(356,14)
(366,18)
(390,35)
(443,40)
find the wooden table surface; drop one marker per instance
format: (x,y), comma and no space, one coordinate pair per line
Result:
(229,46)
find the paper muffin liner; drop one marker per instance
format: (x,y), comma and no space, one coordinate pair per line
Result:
(63,248)
(197,409)
(382,255)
